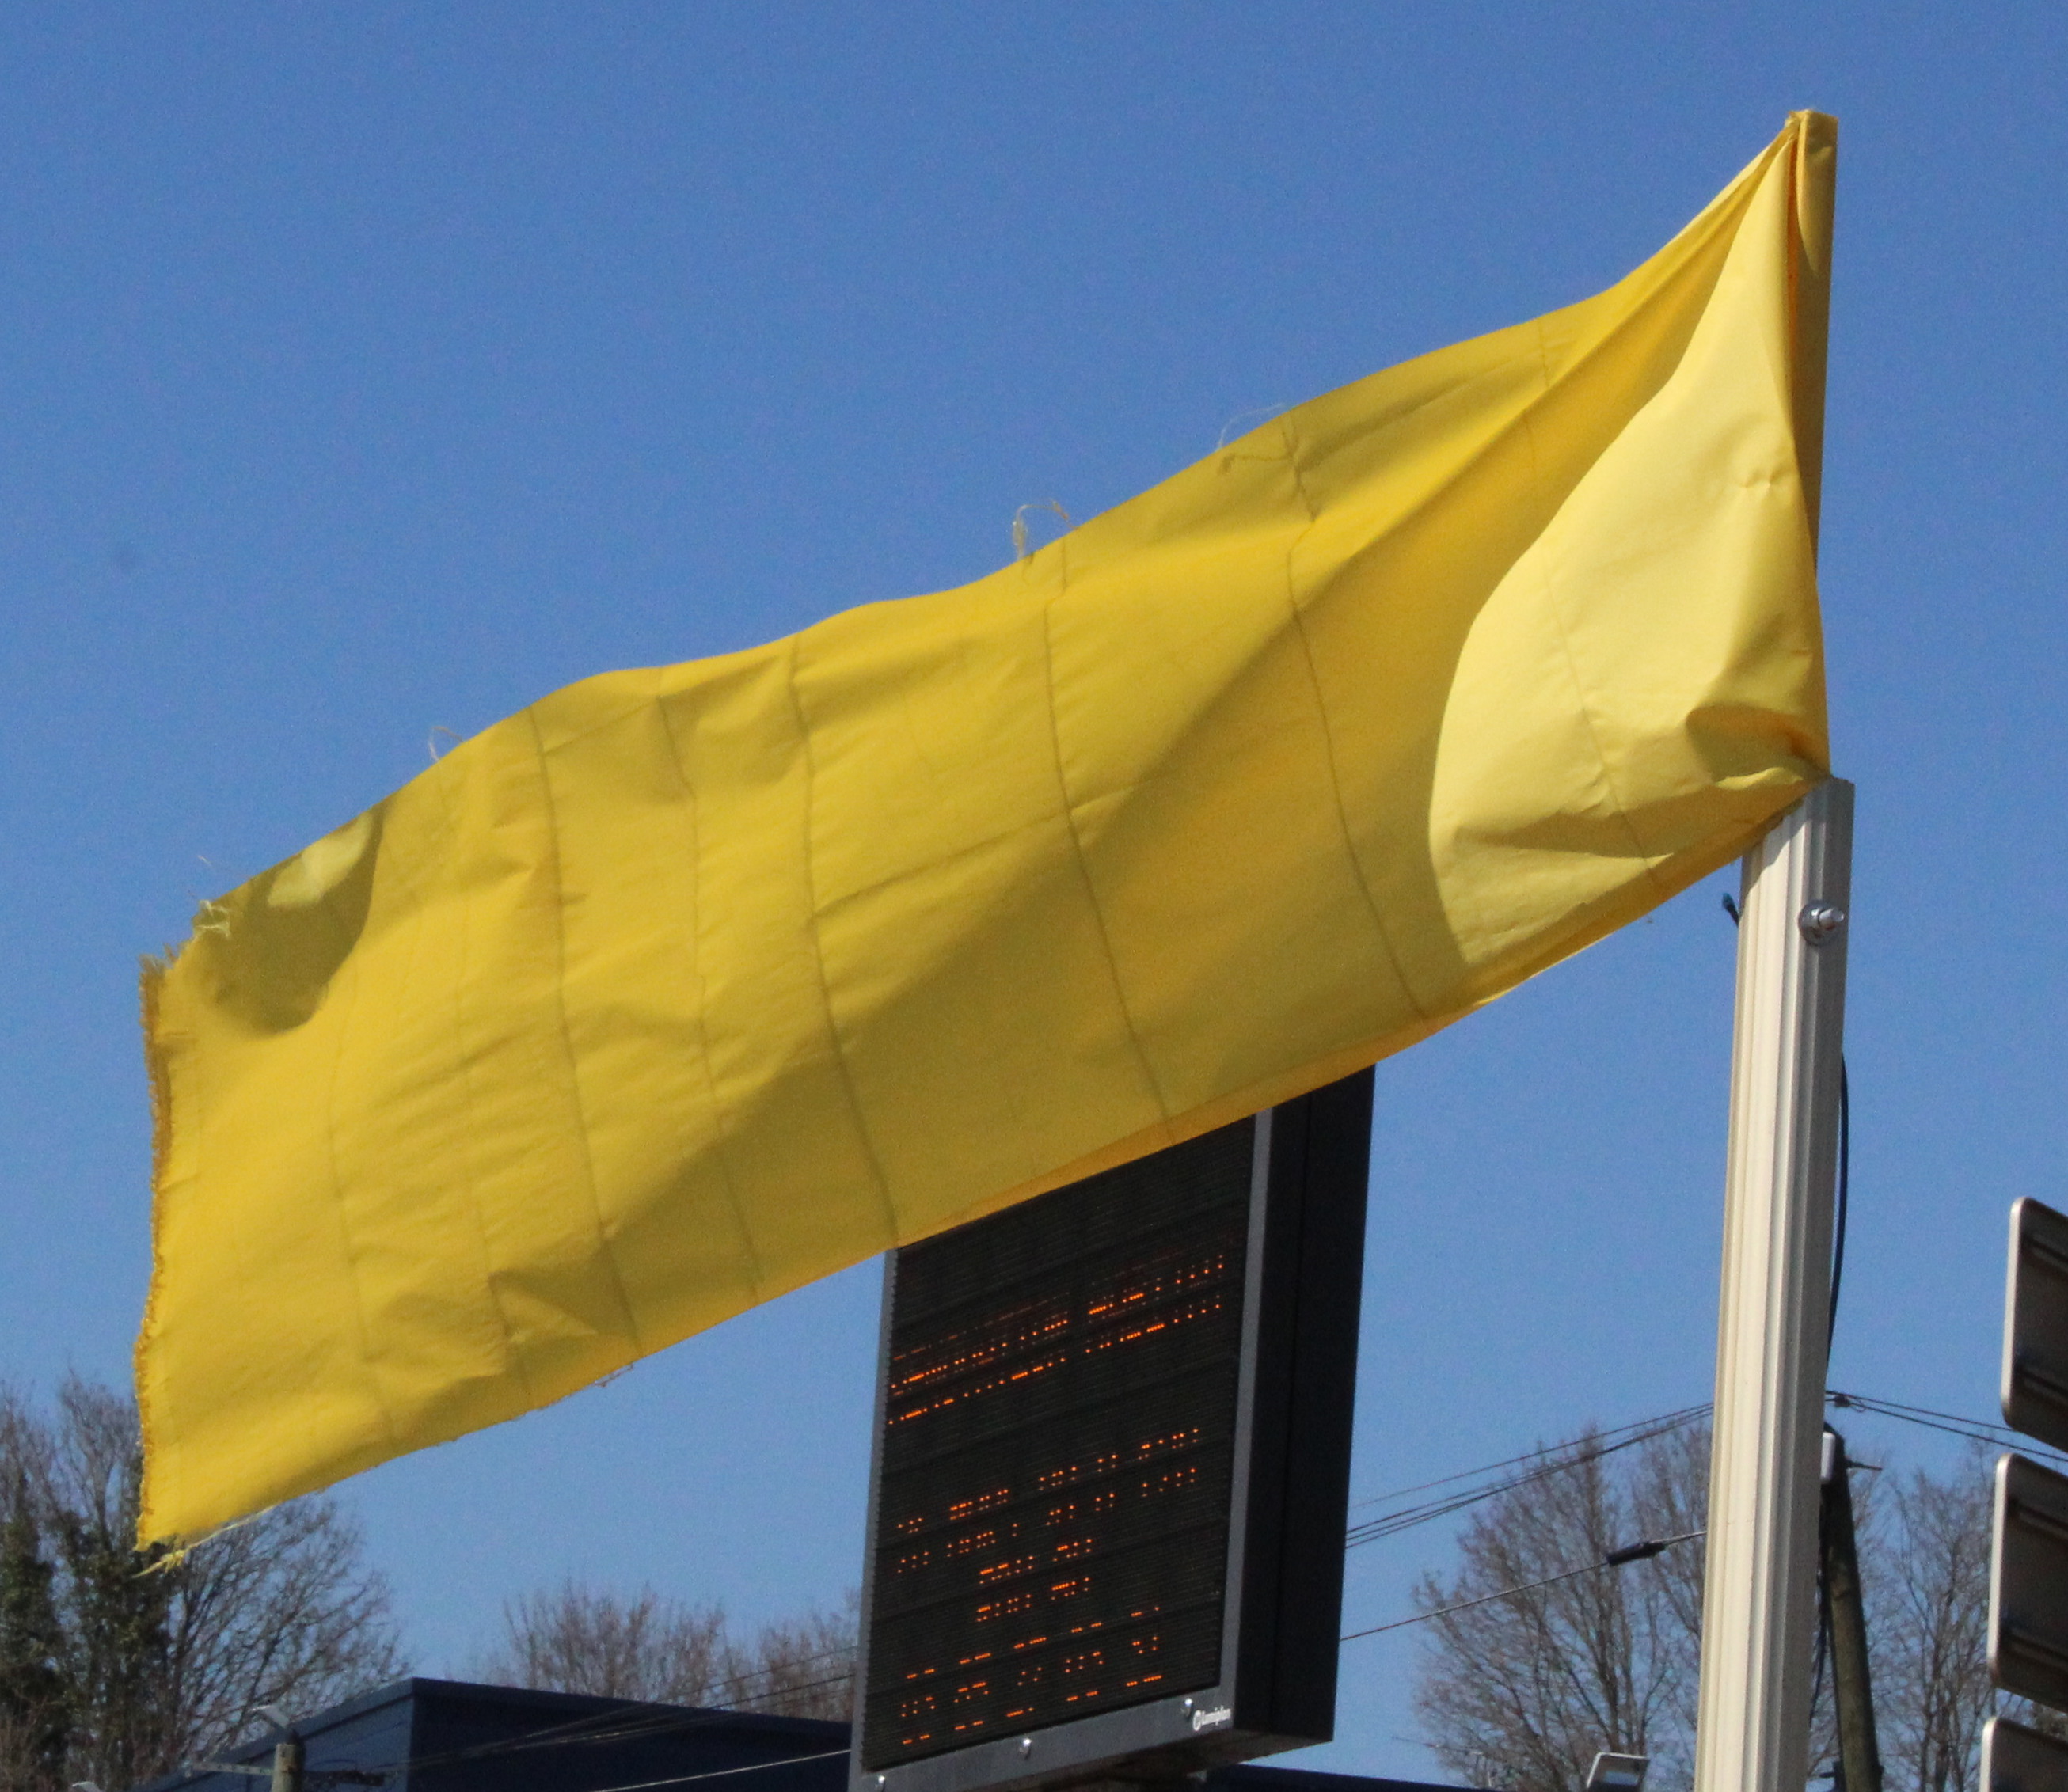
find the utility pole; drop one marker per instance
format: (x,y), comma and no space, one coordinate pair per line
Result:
(1860,1754)
(288,1774)
(1759,1607)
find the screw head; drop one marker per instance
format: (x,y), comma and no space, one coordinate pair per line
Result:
(1820,921)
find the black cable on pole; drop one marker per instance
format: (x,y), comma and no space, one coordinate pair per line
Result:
(1823,1640)
(1845,1165)
(1845,1196)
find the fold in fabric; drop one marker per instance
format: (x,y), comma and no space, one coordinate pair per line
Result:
(688,986)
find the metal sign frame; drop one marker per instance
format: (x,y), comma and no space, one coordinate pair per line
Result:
(2029,1582)
(1283,1586)
(2035,1354)
(2016,1758)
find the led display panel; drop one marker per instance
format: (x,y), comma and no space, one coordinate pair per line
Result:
(1111,1463)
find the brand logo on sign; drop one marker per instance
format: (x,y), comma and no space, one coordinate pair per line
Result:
(1207,1720)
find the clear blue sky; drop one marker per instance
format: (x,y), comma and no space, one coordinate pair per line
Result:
(368,370)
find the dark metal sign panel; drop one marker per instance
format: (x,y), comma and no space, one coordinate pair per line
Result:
(1087,1532)
(2028,1582)
(2016,1759)
(2035,1358)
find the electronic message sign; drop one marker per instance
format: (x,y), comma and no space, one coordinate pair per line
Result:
(1111,1467)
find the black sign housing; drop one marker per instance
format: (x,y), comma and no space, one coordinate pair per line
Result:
(2029,1582)
(1112,1464)
(2035,1356)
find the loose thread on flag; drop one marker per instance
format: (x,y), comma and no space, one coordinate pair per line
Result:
(1020,549)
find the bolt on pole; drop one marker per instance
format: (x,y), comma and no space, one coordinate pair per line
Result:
(1759,1604)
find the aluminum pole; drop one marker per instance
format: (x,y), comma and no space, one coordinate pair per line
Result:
(1759,1603)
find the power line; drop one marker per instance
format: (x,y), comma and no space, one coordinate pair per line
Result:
(607,1727)
(1526,1455)
(1548,1460)
(594,1728)
(629,1730)
(1640,1432)
(1571,1454)
(638,1729)
(619,1725)
(722,1773)
(1615,1558)
(635,1728)
(1980,1431)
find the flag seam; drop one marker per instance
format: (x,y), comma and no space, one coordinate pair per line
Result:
(1070,812)
(573,1058)
(721,1116)
(838,1045)
(1293,449)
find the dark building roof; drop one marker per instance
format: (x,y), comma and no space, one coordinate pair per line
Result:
(449,1735)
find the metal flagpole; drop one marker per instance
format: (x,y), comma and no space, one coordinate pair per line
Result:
(1759,1603)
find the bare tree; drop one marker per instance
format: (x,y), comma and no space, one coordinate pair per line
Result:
(801,1666)
(1925,1574)
(162,1660)
(578,1639)
(35,1703)
(575,1638)
(1521,1691)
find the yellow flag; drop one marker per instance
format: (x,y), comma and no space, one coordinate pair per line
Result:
(689,984)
